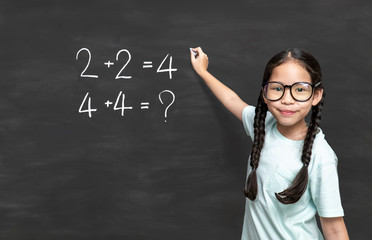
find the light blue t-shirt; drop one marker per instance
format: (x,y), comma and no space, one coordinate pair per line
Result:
(268,219)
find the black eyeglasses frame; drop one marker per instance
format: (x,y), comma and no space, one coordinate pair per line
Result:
(313,86)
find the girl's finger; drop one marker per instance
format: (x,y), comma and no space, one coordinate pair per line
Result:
(193,54)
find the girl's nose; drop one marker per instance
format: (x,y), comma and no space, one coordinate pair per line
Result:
(287,97)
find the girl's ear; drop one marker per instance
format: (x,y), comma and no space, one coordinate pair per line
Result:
(318,94)
(265,100)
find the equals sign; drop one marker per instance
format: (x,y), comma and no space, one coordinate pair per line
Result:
(145,105)
(147,64)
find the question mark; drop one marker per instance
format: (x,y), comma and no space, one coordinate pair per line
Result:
(174,98)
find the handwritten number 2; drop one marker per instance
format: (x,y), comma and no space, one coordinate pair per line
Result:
(86,67)
(117,58)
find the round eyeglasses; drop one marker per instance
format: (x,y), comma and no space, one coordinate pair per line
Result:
(300,91)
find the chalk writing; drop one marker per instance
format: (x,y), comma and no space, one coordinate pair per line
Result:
(117,58)
(123,57)
(127,59)
(173,99)
(86,67)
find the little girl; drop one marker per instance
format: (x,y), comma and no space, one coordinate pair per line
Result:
(292,172)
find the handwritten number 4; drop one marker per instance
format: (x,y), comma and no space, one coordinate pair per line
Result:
(89,110)
(170,69)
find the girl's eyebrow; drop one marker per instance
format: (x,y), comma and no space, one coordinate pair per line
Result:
(290,84)
(277,82)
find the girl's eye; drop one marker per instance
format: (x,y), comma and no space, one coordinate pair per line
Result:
(278,89)
(302,90)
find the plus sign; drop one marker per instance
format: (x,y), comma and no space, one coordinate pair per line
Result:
(109,63)
(108,103)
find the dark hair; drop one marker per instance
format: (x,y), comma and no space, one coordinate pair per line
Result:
(294,192)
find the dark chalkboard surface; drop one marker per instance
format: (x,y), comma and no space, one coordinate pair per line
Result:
(170,161)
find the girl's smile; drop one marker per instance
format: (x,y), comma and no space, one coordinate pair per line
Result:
(287,112)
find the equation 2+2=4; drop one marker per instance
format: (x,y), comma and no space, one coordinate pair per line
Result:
(120,74)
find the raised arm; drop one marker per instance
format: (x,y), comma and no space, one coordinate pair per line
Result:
(225,95)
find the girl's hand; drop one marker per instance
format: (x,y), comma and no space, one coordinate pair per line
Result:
(199,60)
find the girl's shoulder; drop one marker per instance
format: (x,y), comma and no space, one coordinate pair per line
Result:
(248,115)
(248,120)
(322,152)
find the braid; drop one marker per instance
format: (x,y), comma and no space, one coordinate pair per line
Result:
(250,189)
(297,188)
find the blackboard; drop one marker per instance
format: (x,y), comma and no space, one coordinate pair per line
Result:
(172,165)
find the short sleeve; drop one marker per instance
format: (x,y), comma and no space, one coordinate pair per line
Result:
(248,120)
(325,190)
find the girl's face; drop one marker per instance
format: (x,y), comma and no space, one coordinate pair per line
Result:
(290,114)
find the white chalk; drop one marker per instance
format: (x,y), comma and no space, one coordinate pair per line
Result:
(193,51)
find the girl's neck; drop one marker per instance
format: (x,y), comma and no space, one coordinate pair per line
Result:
(296,132)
